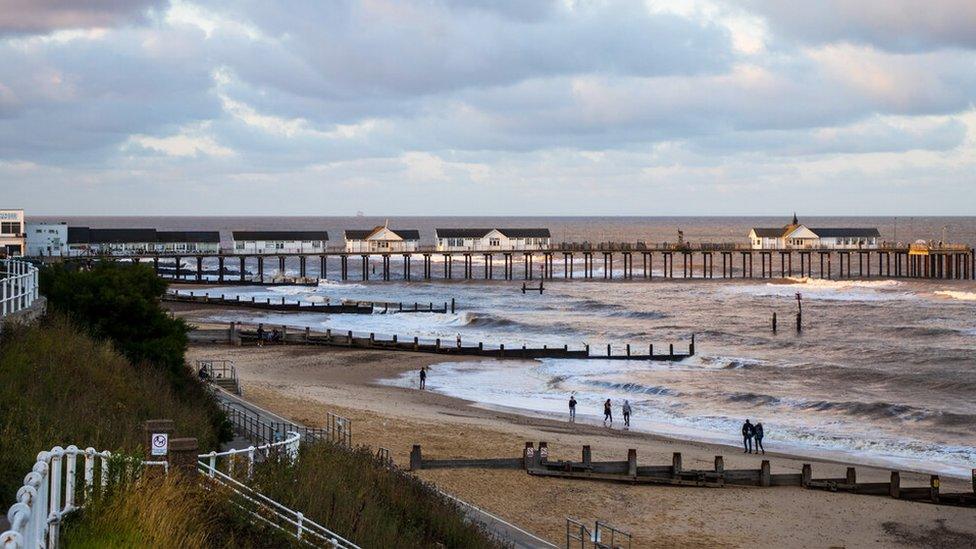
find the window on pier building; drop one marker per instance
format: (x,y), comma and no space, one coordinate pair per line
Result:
(10,227)
(494,242)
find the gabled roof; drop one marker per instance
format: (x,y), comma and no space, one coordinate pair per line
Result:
(188,236)
(525,233)
(461,233)
(281,235)
(480,233)
(842,232)
(405,234)
(766,232)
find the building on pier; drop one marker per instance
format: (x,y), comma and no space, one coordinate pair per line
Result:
(12,233)
(382,239)
(47,239)
(80,241)
(463,240)
(798,236)
(279,242)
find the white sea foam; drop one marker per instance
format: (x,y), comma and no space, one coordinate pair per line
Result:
(963,296)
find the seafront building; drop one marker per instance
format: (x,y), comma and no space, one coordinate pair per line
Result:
(86,241)
(277,242)
(797,236)
(12,233)
(460,240)
(382,239)
(47,239)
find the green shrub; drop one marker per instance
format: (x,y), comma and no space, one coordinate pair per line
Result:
(356,496)
(58,386)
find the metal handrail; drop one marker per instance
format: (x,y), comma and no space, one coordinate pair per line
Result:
(300,525)
(576,531)
(35,519)
(289,445)
(18,286)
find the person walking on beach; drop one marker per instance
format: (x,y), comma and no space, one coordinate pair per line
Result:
(627,414)
(260,336)
(572,408)
(423,378)
(758,433)
(607,412)
(748,431)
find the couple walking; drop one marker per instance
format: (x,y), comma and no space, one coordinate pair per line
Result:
(750,432)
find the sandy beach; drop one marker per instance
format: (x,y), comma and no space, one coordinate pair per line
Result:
(306,383)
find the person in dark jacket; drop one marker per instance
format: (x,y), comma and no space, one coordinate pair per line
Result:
(423,377)
(748,431)
(758,434)
(572,408)
(607,412)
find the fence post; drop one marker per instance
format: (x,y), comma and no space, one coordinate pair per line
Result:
(894,490)
(183,454)
(543,452)
(675,464)
(720,465)
(851,477)
(632,462)
(528,455)
(152,427)
(587,455)
(806,475)
(934,488)
(416,459)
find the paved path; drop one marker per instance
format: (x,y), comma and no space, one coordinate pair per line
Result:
(505,531)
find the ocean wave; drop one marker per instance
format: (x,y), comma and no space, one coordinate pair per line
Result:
(640,315)
(924,330)
(637,388)
(963,296)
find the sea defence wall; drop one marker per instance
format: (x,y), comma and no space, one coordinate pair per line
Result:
(536,462)
(261,334)
(351,307)
(578,262)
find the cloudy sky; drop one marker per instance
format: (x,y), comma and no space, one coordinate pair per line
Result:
(427,107)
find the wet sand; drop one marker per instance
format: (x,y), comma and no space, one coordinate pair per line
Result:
(306,383)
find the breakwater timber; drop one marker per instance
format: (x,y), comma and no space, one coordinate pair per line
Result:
(536,462)
(354,307)
(577,262)
(238,334)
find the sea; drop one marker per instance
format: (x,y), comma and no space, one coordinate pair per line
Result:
(882,373)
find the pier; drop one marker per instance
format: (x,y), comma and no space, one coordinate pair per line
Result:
(567,262)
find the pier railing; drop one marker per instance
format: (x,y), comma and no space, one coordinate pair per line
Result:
(18,286)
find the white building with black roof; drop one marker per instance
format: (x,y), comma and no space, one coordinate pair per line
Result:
(797,236)
(197,242)
(122,242)
(460,240)
(382,239)
(279,242)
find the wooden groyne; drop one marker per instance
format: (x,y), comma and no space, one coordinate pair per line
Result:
(346,307)
(240,334)
(536,462)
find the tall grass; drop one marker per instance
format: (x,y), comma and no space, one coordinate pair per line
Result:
(58,386)
(355,495)
(166,511)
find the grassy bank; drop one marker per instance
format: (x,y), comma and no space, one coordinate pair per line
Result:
(59,386)
(356,496)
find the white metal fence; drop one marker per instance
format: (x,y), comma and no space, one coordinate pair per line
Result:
(52,490)
(18,286)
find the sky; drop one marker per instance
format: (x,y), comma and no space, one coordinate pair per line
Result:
(488,107)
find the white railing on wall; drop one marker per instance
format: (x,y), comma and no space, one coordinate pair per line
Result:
(18,286)
(210,465)
(50,491)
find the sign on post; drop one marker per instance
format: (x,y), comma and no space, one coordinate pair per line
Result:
(160,444)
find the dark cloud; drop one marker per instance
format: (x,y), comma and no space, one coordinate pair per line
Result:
(44,16)
(896,25)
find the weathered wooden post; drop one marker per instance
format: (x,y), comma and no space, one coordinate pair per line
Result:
(481,346)
(799,312)
(628,349)
(307,330)
(650,350)
(587,455)
(894,489)
(183,455)
(774,322)
(934,488)
(691,346)
(452,305)
(765,478)
(416,460)
(671,351)
(806,475)
(328,334)
(372,338)
(632,462)
(235,335)
(284,334)
(720,465)
(543,453)
(851,477)
(608,349)
(157,434)
(675,464)
(394,339)
(528,455)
